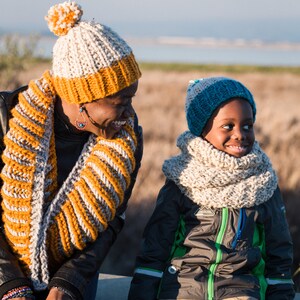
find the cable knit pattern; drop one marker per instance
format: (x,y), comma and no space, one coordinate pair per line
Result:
(44,225)
(214,179)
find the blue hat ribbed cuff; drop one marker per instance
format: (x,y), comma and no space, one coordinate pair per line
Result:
(215,92)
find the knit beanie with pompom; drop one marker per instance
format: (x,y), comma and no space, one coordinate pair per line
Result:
(90,60)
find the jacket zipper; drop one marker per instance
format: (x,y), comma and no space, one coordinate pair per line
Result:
(240,227)
(213,267)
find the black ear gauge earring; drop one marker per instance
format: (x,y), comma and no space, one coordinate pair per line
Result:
(80,124)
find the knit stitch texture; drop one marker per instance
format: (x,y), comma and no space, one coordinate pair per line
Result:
(205,95)
(90,60)
(214,179)
(42,224)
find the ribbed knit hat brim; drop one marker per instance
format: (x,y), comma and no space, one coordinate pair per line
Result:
(107,81)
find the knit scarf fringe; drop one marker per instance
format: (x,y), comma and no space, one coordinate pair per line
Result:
(214,179)
(45,226)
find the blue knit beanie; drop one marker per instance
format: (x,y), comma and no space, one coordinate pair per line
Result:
(205,95)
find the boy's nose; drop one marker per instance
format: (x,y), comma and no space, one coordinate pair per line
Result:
(239,134)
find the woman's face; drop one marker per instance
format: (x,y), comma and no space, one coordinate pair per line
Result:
(230,129)
(105,117)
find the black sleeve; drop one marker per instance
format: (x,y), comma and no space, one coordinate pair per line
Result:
(8,99)
(11,275)
(279,251)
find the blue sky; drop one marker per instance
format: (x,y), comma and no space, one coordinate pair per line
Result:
(269,21)
(141,17)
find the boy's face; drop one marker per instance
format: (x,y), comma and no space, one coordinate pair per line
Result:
(230,129)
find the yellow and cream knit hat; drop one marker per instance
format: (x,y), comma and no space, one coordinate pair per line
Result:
(90,60)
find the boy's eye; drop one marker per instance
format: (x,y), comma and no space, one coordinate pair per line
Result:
(227,126)
(246,127)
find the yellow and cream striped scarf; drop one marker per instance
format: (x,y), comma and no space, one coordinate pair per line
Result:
(42,224)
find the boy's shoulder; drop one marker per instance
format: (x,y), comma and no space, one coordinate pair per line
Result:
(171,186)
(171,192)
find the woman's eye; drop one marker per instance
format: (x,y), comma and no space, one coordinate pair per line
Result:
(248,127)
(129,102)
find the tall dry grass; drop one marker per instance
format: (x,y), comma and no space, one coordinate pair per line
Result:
(160,107)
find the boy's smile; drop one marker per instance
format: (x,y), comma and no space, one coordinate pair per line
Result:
(230,129)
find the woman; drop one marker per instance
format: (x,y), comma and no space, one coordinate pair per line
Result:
(71,157)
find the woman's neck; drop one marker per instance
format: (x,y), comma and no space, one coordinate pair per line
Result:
(66,113)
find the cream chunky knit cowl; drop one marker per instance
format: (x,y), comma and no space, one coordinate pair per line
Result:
(214,179)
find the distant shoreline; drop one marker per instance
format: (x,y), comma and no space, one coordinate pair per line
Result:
(172,49)
(189,41)
(211,51)
(210,42)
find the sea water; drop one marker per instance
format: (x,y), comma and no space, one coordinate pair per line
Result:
(204,51)
(248,42)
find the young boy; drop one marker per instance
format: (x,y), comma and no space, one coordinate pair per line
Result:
(219,229)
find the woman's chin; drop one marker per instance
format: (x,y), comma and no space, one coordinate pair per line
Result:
(106,134)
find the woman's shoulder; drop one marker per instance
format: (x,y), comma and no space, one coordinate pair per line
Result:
(8,99)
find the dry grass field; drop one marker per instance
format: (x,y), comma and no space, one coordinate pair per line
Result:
(160,107)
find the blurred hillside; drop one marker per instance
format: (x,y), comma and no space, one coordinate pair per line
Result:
(160,106)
